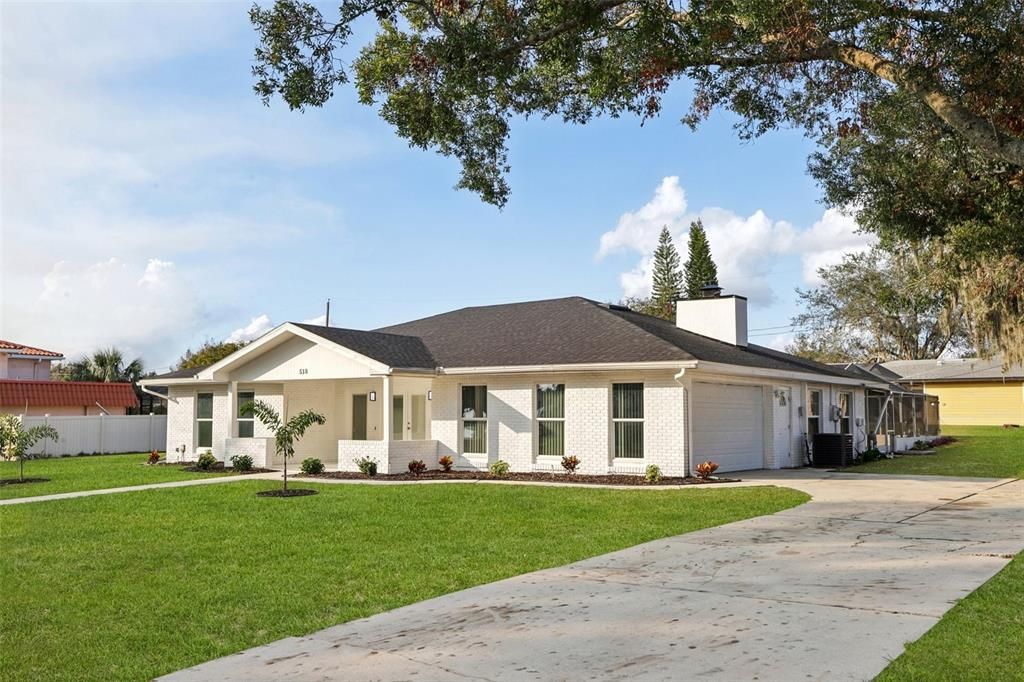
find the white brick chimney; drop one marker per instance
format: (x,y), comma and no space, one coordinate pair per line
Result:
(720,317)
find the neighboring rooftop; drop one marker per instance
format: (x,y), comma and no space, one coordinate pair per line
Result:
(12,348)
(960,369)
(32,393)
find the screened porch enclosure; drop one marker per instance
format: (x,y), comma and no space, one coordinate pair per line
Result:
(896,420)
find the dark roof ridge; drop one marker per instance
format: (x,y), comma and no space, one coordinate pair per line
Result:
(311,327)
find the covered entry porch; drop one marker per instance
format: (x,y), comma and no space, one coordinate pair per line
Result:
(386,418)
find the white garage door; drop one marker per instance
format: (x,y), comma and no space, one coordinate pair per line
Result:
(728,426)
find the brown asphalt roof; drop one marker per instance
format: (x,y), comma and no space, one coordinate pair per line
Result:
(560,331)
(961,369)
(578,330)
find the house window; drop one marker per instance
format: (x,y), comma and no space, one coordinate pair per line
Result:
(813,414)
(245,421)
(474,420)
(551,420)
(845,399)
(628,420)
(204,420)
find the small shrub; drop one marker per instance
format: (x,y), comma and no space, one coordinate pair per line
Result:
(154,457)
(653,473)
(446,463)
(920,445)
(366,465)
(206,461)
(705,469)
(417,467)
(242,463)
(570,464)
(499,468)
(871,455)
(312,465)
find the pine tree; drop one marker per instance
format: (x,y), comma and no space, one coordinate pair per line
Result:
(668,279)
(700,269)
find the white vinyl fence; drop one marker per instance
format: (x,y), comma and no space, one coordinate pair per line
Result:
(101,434)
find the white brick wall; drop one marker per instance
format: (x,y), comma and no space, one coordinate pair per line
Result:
(392,457)
(512,433)
(181,416)
(260,449)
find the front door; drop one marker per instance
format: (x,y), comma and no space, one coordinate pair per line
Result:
(418,421)
(359,417)
(782,419)
(398,417)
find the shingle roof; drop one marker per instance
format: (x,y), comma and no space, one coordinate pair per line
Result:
(393,350)
(577,330)
(19,393)
(22,349)
(964,369)
(186,373)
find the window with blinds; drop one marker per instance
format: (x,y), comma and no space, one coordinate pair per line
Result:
(474,420)
(628,420)
(551,420)
(246,421)
(204,420)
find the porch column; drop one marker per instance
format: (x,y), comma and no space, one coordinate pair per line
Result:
(233,409)
(385,396)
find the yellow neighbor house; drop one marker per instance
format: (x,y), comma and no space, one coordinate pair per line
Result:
(970,390)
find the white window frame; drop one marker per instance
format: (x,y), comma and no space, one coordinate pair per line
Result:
(250,419)
(199,419)
(539,419)
(848,417)
(809,416)
(613,421)
(463,419)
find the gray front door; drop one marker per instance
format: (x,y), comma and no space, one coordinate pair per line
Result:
(359,417)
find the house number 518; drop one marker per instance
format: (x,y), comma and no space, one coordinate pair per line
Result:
(303,370)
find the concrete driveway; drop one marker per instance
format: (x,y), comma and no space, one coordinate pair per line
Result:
(830,590)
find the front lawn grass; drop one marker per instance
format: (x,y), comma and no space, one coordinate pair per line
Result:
(133,585)
(981,638)
(987,451)
(68,474)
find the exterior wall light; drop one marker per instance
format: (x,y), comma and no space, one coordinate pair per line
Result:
(430,395)
(373,396)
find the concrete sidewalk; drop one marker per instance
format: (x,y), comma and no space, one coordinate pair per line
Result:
(830,590)
(271,476)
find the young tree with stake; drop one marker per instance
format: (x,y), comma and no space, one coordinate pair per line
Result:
(285,433)
(16,440)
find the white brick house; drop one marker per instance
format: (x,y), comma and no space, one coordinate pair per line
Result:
(525,383)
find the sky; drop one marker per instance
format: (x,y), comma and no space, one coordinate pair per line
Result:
(150,201)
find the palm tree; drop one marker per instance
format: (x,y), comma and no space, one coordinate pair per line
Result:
(285,434)
(106,364)
(15,440)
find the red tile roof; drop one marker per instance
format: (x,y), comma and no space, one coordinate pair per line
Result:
(22,349)
(18,393)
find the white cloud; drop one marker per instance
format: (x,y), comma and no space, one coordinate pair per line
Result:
(138,307)
(318,320)
(745,248)
(258,326)
(124,194)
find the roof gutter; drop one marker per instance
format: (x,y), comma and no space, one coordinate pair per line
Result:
(582,367)
(157,395)
(740,370)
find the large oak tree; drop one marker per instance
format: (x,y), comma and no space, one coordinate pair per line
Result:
(451,75)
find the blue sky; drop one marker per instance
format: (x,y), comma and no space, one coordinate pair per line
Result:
(150,201)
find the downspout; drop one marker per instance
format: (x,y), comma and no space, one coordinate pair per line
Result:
(686,421)
(157,395)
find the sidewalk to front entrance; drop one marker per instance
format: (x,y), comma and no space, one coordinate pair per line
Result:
(829,590)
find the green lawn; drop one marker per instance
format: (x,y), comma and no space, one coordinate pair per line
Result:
(989,451)
(133,585)
(87,473)
(981,638)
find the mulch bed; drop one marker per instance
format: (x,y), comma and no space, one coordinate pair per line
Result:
(16,481)
(218,468)
(291,492)
(538,476)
